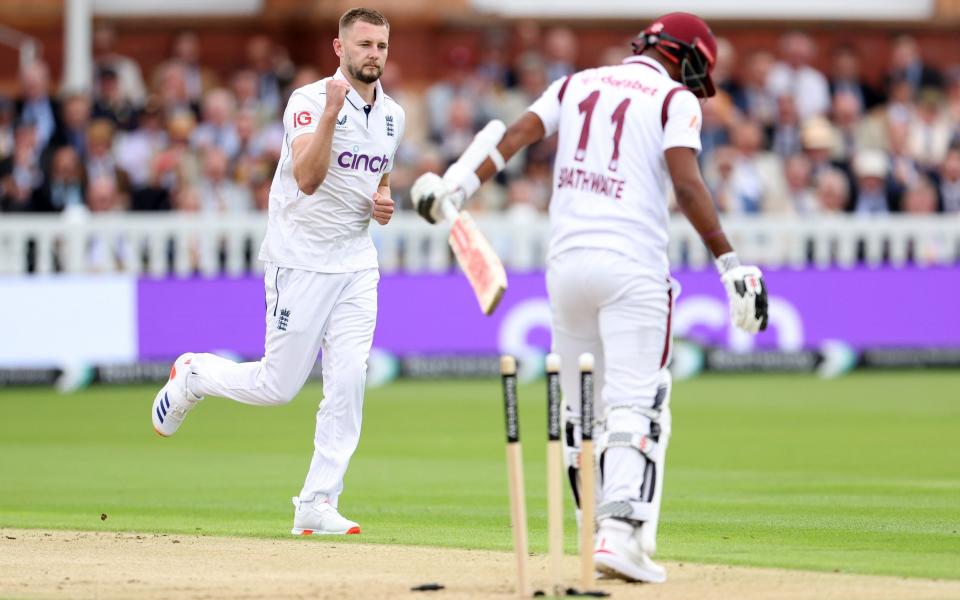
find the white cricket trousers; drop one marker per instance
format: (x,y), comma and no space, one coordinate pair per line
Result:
(609,305)
(307,311)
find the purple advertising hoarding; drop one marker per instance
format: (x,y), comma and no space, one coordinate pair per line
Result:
(437,314)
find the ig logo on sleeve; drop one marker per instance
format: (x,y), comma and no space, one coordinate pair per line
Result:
(301,119)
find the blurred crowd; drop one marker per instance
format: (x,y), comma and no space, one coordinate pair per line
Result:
(781,136)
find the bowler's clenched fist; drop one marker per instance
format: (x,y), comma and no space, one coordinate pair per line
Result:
(337,90)
(382,206)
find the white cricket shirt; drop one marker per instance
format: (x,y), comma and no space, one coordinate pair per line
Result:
(327,231)
(610,177)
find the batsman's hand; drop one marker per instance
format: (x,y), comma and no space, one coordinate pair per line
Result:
(747,293)
(427,193)
(337,90)
(382,205)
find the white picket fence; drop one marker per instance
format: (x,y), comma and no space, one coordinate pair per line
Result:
(160,244)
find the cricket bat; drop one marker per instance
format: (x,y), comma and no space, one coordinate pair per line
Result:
(473,252)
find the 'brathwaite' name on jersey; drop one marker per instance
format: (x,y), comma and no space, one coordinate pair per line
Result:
(588,181)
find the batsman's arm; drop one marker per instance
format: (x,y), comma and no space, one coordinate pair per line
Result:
(745,287)
(526,130)
(694,199)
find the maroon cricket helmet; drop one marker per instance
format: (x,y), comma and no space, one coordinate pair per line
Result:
(687,41)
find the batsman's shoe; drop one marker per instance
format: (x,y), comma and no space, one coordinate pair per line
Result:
(618,554)
(318,517)
(174,400)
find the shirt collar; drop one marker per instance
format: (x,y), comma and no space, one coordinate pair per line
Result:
(353,96)
(646,61)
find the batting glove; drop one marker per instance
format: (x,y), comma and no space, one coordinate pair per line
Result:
(746,292)
(427,192)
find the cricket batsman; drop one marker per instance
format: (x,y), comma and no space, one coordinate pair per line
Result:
(321,275)
(626,133)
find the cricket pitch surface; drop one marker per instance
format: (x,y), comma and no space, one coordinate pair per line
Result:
(38,563)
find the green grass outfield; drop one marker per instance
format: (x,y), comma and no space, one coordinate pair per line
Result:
(860,474)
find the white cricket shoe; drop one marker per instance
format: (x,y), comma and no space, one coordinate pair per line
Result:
(174,400)
(618,554)
(318,517)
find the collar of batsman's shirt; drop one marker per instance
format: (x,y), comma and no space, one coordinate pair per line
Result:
(356,101)
(648,62)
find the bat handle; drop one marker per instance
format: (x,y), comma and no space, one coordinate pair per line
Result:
(450,212)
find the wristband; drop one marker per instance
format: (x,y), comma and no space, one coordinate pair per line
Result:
(497,159)
(458,176)
(727,262)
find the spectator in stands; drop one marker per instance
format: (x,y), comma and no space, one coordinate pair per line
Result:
(99,158)
(457,82)
(953,99)
(532,80)
(250,150)
(245,88)
(832,192)
(799,177)
(906,64)
(560,53)
(614,55)
(846,78)
(458,131)
(848,119)
(949,184)
(186,51)
(136,149)
(522,202)
(930,131)
(795,76)
(820,142)
(921,197)
(723,75)
(302,76)
(260,186)
(172,91)
(718,116)
(107,252)
(785,137)
(35,104)
(260,60)
(493,64)
(188,200)
(755,184)
(218,128)
(177,164)
(7,118)
(527,40)
(874,196)
(107,60)
(65,187)
(110,102)
(76,120)
(758,103)
(904,168)
(219,193)
(20,173)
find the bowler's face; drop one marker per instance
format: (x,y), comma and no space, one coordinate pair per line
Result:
(364,51)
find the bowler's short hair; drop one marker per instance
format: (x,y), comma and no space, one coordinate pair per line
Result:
(367,15)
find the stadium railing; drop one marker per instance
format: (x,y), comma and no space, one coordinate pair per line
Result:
(158,245)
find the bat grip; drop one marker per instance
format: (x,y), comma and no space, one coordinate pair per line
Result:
(449,209)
